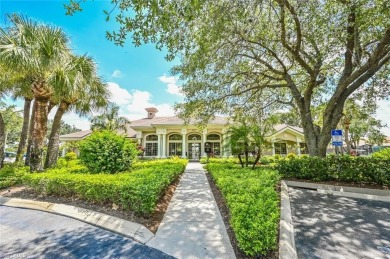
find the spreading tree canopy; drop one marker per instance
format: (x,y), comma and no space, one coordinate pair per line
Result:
(307,53)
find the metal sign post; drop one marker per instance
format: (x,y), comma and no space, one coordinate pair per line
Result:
(337,141)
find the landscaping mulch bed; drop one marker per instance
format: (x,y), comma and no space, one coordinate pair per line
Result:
(221,203)
(152,222)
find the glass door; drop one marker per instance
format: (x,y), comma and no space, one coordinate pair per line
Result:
(194,151)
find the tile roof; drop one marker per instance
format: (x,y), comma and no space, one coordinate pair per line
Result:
(79,134)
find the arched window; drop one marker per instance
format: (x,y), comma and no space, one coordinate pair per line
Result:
(194,137)
(213,137)
(151,138)
(151,145)
(175,145)
(175,137)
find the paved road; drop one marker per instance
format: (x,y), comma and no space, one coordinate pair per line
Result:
(338,227)
(35,234)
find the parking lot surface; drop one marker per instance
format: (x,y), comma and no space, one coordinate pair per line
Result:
(328,226)
(35,234)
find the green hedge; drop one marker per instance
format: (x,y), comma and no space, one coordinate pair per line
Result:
(253,204)
(11,175)
(138,190)
(332,168)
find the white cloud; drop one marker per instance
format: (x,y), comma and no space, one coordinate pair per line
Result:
(72,119)
(119,95)
(383,114)
(142,100)
(117,73)
(132,105)
(172,86)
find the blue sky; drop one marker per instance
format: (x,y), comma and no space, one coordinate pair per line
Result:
(137,76)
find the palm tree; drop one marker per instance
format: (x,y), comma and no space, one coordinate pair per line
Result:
(80,89)
(6,78)
(38,50)
(109,120)
(239,140)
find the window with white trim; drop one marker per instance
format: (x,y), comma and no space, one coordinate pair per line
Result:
(151,145)
(175,145)
(280,148)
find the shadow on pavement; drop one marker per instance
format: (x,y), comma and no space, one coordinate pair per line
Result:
(327,226)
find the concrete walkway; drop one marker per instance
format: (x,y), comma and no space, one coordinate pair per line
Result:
(192,226)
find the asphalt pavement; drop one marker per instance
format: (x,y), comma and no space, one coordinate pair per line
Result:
(28,233)
(327,226)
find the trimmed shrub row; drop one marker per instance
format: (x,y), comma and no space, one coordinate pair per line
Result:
(11,175)
(253,204)
(333,168)
(138,190)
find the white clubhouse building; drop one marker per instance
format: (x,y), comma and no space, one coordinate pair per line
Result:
(162,137)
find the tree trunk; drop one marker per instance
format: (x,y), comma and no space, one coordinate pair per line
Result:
(246,158)
(2,140)
(318,139)
(240,159)
(39,134)
(257,159)
(54,139)
(23,135)
(30,134)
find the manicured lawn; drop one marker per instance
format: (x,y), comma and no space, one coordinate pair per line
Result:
(253,203)
(138,189)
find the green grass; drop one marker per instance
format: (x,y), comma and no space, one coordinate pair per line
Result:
(253,203)
(138,190)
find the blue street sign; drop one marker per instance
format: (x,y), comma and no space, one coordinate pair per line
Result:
(337,133)
(337,138)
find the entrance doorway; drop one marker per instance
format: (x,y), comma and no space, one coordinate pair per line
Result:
(194,151)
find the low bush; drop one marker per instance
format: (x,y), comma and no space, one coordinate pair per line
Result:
(253,204)
(70,156)
(138,190)
(11,175)
(333,168)
(384,154)
(220,160)
(107,152)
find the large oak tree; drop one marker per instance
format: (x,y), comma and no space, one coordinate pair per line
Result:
(314,52)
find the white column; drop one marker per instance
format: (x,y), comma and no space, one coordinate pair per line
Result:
(184,142)
(299,149)
(164,145)
(203,142)
(273,148)
(63,151)
(159,145)
(184,145)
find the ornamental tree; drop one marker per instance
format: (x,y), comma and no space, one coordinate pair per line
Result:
(309,53)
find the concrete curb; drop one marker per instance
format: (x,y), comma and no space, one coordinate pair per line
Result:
(126,228)
(351,192)
(287,248)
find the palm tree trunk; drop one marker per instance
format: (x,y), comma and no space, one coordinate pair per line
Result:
(2,140)
(30,133)
(39,134)
(23,135)
(54,139)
